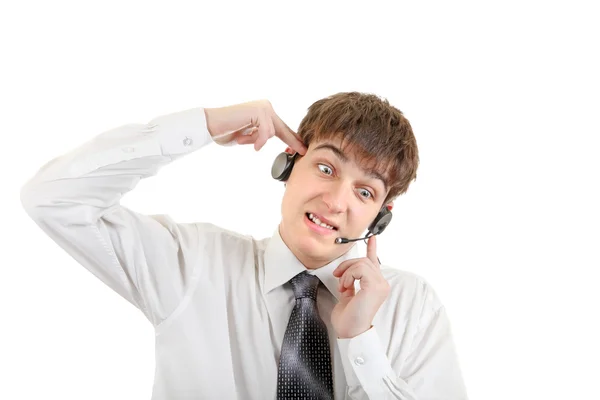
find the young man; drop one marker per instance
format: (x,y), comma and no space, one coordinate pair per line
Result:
(297,315)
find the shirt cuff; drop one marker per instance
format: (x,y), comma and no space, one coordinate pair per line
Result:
(181,132)
(364,360)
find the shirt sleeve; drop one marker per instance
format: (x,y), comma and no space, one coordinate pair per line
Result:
(75,200)
(430,370)
(369,373)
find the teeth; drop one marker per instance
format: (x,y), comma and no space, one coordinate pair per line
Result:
(318,221)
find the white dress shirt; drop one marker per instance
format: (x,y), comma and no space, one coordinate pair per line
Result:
(219,301)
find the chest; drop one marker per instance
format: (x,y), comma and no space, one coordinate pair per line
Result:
(232,333)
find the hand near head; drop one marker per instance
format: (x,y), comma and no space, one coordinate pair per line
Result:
(355,311)
(253,122)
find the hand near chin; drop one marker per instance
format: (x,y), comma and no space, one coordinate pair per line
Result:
(354,313)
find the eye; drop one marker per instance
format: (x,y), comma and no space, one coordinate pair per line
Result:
(324,168)
(366,194)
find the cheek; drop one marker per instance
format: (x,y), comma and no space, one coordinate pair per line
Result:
(293,199)
(301,186)
(362,216)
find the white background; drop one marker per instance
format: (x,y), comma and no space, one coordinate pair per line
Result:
(503,219)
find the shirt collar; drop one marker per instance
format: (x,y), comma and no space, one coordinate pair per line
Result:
(281,265)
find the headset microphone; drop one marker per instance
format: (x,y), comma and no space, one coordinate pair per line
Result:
(342,240)
(381,221)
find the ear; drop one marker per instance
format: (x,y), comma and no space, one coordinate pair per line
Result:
(390,205)
(289,150)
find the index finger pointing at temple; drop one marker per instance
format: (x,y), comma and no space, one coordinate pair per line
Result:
(288,136)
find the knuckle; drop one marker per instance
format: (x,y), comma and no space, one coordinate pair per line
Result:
(266,104)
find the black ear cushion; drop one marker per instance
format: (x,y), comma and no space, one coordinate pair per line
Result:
(381,221)
(282,166)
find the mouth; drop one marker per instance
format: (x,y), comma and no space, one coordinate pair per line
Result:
(317,222)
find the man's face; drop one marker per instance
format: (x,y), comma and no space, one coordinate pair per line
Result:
(329,184)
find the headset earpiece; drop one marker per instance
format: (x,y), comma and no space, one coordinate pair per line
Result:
(282,166)
(381,221)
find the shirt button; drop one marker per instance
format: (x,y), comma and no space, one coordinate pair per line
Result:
(128,149)
(359,361)
(187,141)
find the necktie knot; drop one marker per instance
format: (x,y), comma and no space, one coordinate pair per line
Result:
(305,285)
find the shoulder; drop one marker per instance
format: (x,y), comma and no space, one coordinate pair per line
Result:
(410,289)
(401,279)
(209,229)
(214,238)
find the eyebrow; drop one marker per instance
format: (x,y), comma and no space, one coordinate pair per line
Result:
(336,150)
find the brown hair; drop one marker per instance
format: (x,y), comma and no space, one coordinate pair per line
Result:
(380,136)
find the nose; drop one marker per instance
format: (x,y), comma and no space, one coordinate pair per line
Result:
(335,199)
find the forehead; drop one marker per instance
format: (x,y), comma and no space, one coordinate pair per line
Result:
(348,154)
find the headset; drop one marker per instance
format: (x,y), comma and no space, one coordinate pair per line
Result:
(281,170)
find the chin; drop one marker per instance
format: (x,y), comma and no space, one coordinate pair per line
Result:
(314,248)
(309,246)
